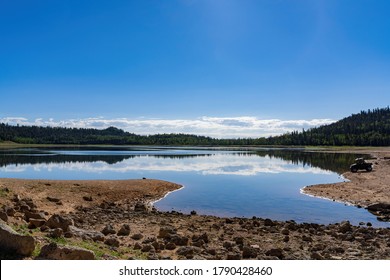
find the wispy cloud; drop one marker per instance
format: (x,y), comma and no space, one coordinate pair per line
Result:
(228,127)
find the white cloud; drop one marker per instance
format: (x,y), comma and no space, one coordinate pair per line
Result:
(228,127)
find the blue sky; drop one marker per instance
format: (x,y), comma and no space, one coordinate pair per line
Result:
(220,67)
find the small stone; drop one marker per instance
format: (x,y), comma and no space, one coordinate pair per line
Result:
(141,207)
(307,238)
(170,246)
(193,212)
(137,236)
(112,241)
(124,230)
(108,229)
(87,198)
(345,226)
(316,256)
(147,248)
(269,222)
(3,216)
(58,221)
(285,231)
(166,231)
(9,210)
(53,199)
(276,252)
(249,252)
(35,223)
(56,233)
(137,246)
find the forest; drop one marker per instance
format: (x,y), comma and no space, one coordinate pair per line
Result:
(367,128)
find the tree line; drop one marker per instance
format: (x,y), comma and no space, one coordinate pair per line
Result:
(367,128)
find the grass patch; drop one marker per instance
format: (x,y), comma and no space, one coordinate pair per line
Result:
(101,249)
(4,192)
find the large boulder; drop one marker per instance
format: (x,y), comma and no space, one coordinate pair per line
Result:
(14,242)
(53,251)
(58,221)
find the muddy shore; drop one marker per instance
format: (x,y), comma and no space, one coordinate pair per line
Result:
(114,220)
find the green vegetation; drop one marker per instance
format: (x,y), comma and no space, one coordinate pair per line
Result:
(100,249)
(368,128)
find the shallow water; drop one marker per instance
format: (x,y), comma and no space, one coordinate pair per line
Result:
(243,183)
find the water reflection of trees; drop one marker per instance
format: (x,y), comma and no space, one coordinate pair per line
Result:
(336,162)
(37,158)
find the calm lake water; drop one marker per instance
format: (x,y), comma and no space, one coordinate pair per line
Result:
(241,183)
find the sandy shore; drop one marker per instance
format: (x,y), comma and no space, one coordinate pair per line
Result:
(114,220)
(362,188)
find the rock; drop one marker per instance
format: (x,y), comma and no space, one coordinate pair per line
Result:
(268,223)
(166,231)
(3,216)
(13,242)
(56,233)
(307,238)
(383,207)
(179,240)
(86,234)
(16,198)
(124,230)
(137,236)
(204,237)
(193,212)
(345,227)
(276,252)
(112,241)
(137,246)
(228,245)
(170,246)
(187,251)
(285,231)
(35,223)
(249,252)
(147,248)
(31,215)
(9,210)
(239,240)
(58,221)
(87,198)
(286,238)
(53,199)
(54,251)
(369,224)
(316,256)
(108,229)
(141,207)
(233,256)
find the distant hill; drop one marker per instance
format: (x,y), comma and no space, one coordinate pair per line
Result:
(367,128)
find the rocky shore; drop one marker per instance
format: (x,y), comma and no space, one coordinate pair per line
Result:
(114,220)
(370,190)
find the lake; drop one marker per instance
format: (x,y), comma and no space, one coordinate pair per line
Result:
(224,182)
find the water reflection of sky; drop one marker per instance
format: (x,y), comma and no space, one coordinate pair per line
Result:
(219,164)
(223,183)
